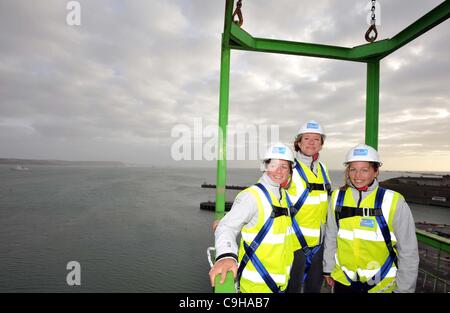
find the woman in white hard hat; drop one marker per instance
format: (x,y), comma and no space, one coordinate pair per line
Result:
(370,241)
(308,194)
(261,215)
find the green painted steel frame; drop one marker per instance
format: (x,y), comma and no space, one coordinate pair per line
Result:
(234,37)
(223,111)
(432,240)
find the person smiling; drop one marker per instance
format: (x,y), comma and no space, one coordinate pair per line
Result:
(308,196)
(260,214)
(370,240)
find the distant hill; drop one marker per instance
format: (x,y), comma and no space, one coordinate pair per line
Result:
(60,162)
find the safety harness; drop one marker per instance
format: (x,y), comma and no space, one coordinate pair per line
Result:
(308,251)
(251,249)
(342,211)
(312,186)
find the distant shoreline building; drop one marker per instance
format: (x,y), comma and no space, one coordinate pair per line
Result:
(426,189)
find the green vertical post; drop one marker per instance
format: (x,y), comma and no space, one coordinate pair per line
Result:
(221,181)
(372,103)
(223,112)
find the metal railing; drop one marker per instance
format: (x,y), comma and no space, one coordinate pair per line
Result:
(434,263)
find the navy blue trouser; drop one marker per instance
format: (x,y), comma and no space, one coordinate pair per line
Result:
(314,280)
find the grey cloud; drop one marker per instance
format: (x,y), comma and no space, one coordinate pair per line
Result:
(117,85)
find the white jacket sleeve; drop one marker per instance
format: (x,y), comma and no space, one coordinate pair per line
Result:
(408,253)
(244,211)
(330,241)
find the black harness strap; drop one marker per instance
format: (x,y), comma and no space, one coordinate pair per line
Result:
(346,211)
(312,186)
(279,211)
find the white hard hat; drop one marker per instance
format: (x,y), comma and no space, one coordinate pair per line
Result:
(311,127)
(362,152)
(279,151)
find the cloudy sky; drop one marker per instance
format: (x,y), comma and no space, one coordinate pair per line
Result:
(123,83)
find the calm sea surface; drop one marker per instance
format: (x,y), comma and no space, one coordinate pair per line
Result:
(131,229)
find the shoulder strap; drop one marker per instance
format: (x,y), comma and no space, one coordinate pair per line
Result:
(325,177)
(383,225)
(301,172)
(314,186)
(301,200)
(265,191)
(251,249)
(339,205)
(276,210)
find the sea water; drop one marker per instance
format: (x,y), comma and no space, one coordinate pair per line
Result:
(131,229)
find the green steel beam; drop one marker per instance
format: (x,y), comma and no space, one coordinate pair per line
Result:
(222,132)
(240,37)
(242,40)
(223,113)
(433,240)
(422,25)
(372,51)
(228,285)
(372,103)
(306,49)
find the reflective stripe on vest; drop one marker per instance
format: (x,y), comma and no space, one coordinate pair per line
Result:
(366,273)
(310,206)
(363,234)
(264,255)
(370,231)
(254,276)
(300,232)
(306,232)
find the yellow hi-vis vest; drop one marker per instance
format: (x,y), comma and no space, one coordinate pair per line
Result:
(274,252)
(361,249)
(313,213)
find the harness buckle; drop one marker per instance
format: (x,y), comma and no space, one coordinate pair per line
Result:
(366,212)
(292,211)
(254,245)
(328,188)
(307,251)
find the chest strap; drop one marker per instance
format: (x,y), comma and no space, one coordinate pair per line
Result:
(346,211)
(279,211)
(313,186)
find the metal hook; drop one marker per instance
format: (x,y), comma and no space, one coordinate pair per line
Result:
(238,12)
(371,38)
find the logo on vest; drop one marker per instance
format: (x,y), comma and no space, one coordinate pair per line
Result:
(366,222)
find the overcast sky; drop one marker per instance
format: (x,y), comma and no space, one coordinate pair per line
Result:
(116,86)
